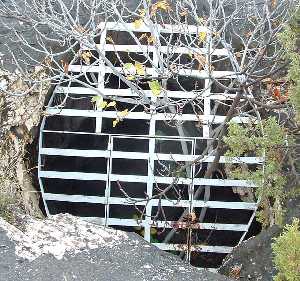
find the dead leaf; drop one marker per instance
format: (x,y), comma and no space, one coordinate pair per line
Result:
(111,104)
(86,56)
(65,66)
(201,59)
(276,93)
(80,29)
(151,39)
(183,13)
(123,113)
(115,122)
(235,271)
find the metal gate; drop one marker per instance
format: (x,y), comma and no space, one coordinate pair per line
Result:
(84,160)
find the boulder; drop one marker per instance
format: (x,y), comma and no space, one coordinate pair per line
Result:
(252,260)
(64,247)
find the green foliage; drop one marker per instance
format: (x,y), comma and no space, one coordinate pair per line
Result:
(286,249)
(266,140)
(289,40)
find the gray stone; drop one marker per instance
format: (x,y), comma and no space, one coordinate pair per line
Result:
(66,248)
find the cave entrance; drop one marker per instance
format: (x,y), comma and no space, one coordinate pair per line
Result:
(90,168)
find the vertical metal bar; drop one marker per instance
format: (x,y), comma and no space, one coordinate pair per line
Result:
(101,77)
(110,148)
(39,166)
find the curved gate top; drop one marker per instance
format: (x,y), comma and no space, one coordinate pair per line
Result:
(104,165)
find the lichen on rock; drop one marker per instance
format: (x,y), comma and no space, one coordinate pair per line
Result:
(59,235)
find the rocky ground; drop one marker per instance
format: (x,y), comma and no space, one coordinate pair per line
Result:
(252,260)
(66,248)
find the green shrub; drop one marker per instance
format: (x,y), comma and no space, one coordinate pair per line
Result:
(266,140)
(286,249)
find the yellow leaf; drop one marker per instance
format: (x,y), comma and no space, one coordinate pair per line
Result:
(144,35)
(129,69)
(115,122)
(96,99)
(162,5)
(86,56)
(200,20)
(202,36)
(111,104)
(142,13)
(130,77)
(140,68)
(109,40)
(138,23)
(151,39)
(155,87)
(123,113)
(102,104)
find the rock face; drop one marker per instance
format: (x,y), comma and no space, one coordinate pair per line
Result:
(252,260)
(67,248)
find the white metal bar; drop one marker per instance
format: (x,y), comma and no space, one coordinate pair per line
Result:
(186,158)
(144,116)
(153,202)
(163,49)
(72,175)
(144,156)
(135,178)
(202,74)
(75,152)
(197,181)
(148,93)
(75,198)
(172,224)
(166,28)
(40,165)
(172,138)
(108,180)
(101,77)
(194,248)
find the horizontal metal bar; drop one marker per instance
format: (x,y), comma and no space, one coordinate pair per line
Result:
(144,179)
(72,175)
(166,28)
(194,248)
(163,49)
(184,181)
(75,198)
(214,119)
(184,158)
(175,138)
(167,224)
(75,152)
(153,202)
(145,156)
(202,74)
(148,93)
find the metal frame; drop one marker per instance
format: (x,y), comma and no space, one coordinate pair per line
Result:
(151,156)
